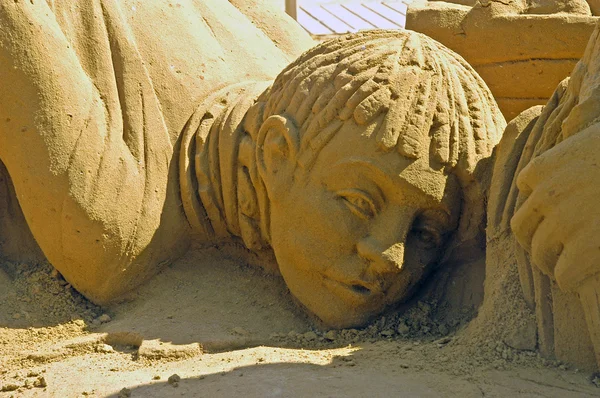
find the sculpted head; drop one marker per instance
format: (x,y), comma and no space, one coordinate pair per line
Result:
(367,147)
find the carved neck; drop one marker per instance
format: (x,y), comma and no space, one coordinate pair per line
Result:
(222,193)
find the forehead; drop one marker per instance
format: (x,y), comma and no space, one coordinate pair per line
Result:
(353,153)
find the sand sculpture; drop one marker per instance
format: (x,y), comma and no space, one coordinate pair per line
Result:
(360,169)
(541,43)
(542,186)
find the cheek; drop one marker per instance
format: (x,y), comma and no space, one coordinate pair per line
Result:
(313,230)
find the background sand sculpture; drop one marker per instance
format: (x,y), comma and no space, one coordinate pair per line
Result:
(541,43)
(489,319)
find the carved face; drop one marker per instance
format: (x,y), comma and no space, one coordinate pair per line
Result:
(361,228)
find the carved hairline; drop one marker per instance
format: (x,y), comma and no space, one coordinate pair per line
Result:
(424,97)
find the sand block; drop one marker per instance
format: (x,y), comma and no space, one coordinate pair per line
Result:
(156,349)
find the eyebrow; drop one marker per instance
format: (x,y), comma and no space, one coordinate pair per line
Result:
(383,177)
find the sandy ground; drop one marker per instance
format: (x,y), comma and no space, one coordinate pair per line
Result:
(208,326)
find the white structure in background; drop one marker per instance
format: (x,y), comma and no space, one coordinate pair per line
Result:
(330,17)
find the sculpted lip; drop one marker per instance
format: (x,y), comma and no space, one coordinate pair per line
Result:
(355,287)
(360,289)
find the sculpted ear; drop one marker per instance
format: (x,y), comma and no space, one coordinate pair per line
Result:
(276,152)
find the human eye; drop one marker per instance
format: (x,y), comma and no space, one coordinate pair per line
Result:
(428,235)
(359,202)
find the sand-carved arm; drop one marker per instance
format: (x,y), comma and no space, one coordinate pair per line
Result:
(89,176)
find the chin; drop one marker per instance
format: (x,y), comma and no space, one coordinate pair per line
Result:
(336,305)
(335,313)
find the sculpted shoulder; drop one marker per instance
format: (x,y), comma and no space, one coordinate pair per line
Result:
(189,48)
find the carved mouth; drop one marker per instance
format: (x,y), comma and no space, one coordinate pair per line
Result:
(355,287)
(360,289)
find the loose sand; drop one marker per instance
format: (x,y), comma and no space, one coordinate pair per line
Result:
(209,326)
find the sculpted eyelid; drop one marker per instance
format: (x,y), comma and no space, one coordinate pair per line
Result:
(357,193)
(348,194)
(431,229)
(371,190)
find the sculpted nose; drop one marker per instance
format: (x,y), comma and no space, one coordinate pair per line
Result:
(383,259)
(384,247)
